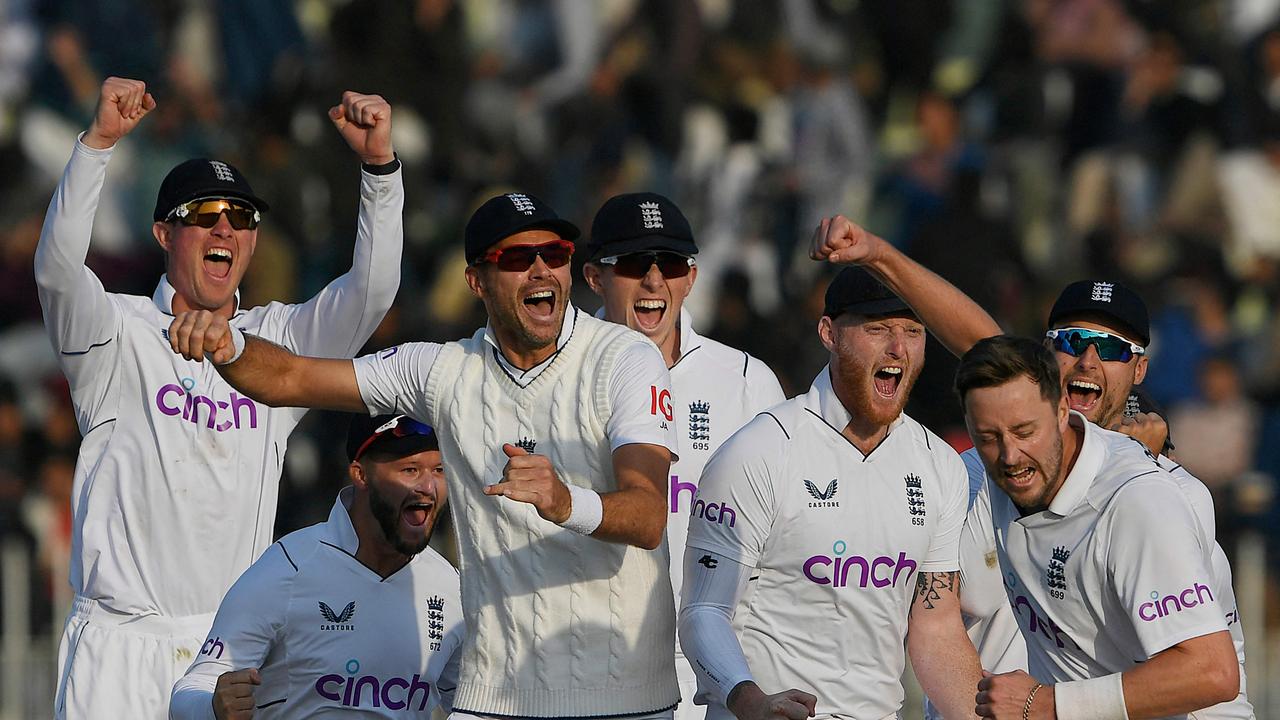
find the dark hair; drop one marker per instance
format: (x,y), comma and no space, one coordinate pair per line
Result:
(997,360)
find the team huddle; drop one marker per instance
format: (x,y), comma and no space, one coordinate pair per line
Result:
(646,527)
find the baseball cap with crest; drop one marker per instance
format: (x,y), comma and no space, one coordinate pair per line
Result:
(200,178)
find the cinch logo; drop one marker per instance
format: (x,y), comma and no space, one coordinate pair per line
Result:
(211,646)
(394,693)
(1036,624)
(678,487)
(175,400)
(871,569)
(714,512)
(1164,606)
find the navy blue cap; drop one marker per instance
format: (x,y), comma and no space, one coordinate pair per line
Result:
(389,435)
(203,178)
(502,216)
(1110,300)
(856,291)
(639,222)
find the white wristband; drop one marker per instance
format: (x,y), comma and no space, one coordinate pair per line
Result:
(586,511)
(237,342)
(1094,699)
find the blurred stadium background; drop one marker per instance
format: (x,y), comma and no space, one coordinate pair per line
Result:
(1012,145)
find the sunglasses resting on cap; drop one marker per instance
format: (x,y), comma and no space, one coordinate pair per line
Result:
(399,426)
(518,258)
(204,212)
(636,265)
(1075,341)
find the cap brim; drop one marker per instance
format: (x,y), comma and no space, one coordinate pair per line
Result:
(645,243)
(883,306)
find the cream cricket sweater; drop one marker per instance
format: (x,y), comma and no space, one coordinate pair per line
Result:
(559,624)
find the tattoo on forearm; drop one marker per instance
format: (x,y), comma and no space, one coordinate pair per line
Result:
(929,587)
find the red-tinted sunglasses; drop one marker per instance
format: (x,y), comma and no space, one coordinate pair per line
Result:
(636,265)
(518,258)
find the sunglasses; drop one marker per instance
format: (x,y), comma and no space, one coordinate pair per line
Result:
(1075,341)
(204,213)
(518,258)
(636,265)
(399,426)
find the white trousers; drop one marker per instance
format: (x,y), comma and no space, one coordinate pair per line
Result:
(123,666)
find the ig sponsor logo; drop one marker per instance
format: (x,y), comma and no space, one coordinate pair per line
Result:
(660,402)
(394,693)
(834,569)
(1161,607)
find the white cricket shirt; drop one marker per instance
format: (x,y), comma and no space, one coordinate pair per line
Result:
(176,482)
(1116,570)
(836,539)
(331,637)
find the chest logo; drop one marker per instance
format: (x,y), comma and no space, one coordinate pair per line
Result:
(339,620)
(1055,574)
(915,498)
(823,498)
(700,420)
(435,621)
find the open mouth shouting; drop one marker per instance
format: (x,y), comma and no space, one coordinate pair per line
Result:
(649,313)
(887,380)
(217,262)
(415,514)
(1083,395)
(1019,477)
(541,304)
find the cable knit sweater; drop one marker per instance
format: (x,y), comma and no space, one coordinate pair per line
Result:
(559,624)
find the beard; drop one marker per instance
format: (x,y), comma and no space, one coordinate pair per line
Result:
(855,387)
(388,517)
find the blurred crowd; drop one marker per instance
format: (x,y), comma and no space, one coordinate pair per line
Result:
(1011,145)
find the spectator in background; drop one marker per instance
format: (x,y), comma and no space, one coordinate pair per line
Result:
(1217,431)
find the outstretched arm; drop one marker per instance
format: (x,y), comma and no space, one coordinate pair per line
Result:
(263,370)
(77,311)
(956,320)
(344,314)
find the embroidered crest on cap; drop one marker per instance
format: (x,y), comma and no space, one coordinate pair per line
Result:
(521,202)
(222,171)
(1101,292)
(651,215)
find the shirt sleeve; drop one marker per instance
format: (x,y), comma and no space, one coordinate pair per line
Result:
(1196,493)
(244,630)
(713,586)
(344,314)
(82,320)
(953,481)
(640,395)
(394,380)
(1159,565)
(738,484)
(762,385)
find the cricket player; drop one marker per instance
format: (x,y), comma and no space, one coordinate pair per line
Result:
(1098,332)
(558,433)
(1100,548)
(836,517)
(354,615)
(175,485)
(641,264)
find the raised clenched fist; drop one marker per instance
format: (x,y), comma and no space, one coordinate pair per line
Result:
(364,121)
(122,103)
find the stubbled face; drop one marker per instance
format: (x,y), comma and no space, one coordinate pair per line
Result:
(405,497)
(1018,435)
(874,362)
(1098,389)
(650,305)
(205,265)
(525,308)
